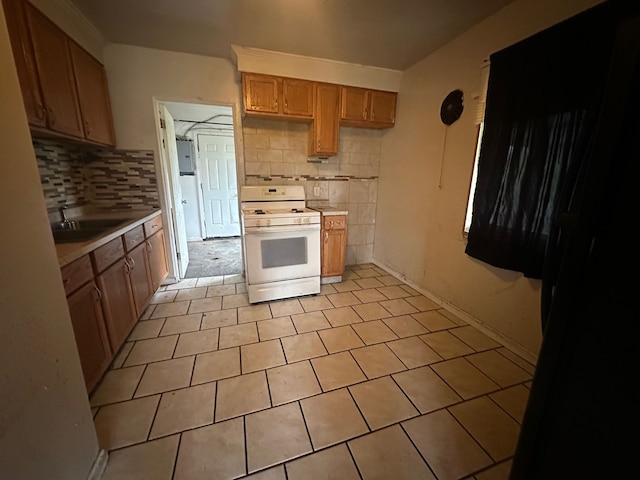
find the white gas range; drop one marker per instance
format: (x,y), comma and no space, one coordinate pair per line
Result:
(281,240)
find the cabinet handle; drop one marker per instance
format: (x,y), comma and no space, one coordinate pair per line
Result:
(149,246)
(133,262)
(66,281)
(128,266)
(276,103)
(42,112)
(52,116)
(326,237)
(87,128)
(98,292)
(364,114)
(373,114)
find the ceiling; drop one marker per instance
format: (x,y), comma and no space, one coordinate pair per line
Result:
(392,34)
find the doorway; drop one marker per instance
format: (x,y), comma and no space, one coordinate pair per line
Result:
(206,177)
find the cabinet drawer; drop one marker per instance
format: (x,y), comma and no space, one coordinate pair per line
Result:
(108,253)
(152,226)
(76,274)
(133,237)
(334,222)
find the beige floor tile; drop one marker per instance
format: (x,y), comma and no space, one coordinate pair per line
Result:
(312,304)
(405,326)
(184,409)
(344,299)
(342,316)
(464,378)
(216,365)
(125,423)
(254,313)
(163,297)
(377,360)
(202,305)
(146,329)
(368,272)
(382,402)
(260,356)
(474,338)
(332,463)
(388,453)
(366,283)
(410,290)
(340,339)
(221,318)
(221,290)
(149,460)
(422,303)
(235,301)
(191,293)
(184,283)
(448,449)
(389,280)
(117,385)
(122,355)
(165,376)
(216,451)
(274,436)
(238,335)
(233,278)
(369,295)
(275,473)
(500,471)
(275,328)
(332,418)
(393,292)
(453,317)
(492,428)
(433,320)
(374,331)
(292,382)
(241,287)
(181,324)
(502,371)
(371,311)
(337,370)
(209,281)
(197,342)
(302,347)
(399,306)
(446,345)
(171,309)
(241,395)
(427,391)
(327,289)
(513,400)
(346,286)
(152,350)
(521,362)
(282,308)
(413,352)
(309,322)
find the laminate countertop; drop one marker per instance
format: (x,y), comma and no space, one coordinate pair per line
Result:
(327,210)
(70,251)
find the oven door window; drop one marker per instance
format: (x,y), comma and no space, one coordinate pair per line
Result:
(284,252)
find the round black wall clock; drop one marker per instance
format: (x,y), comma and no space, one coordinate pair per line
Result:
(452,107)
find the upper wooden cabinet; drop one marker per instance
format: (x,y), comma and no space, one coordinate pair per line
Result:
(325,129)
(63,87)
(360,107)
(277,96)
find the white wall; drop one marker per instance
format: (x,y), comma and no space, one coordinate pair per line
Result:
(46,427)
(419,226)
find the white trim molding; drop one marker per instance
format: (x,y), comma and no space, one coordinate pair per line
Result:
(99,465)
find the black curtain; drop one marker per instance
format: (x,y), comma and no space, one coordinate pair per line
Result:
(542,104)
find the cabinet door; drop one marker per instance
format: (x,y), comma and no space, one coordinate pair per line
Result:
(22,47)
(55,71)
(158,266)
(117,303)
(260,93)
(139,276)
(91,335)
(383,108)
(325,127)
(333,249)
(297,97)
(93,96)
(354,104)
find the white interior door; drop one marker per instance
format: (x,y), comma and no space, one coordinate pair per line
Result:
(177,210)
(219,185)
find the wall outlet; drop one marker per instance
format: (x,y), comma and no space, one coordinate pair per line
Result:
(316,191)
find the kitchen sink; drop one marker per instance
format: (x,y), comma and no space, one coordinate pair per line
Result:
(82,230)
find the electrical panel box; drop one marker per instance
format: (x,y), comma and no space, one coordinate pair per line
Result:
(186,157)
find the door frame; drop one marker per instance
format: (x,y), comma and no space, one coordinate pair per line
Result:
(163,172)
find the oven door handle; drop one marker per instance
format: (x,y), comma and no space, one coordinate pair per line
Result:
(282,228)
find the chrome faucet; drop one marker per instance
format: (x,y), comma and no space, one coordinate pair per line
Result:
(63,216)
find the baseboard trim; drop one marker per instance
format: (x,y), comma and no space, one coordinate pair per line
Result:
(484,328)
(99,465)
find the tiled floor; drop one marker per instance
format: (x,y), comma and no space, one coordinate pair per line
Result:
(367,380)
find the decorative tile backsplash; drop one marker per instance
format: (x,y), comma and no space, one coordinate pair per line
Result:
(100,178)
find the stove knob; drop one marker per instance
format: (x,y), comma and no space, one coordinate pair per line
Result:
(298,220)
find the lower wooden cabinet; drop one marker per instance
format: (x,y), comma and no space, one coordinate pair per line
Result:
(158,266)
(334,245)
(139,278)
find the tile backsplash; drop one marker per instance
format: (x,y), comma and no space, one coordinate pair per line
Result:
(99,178)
